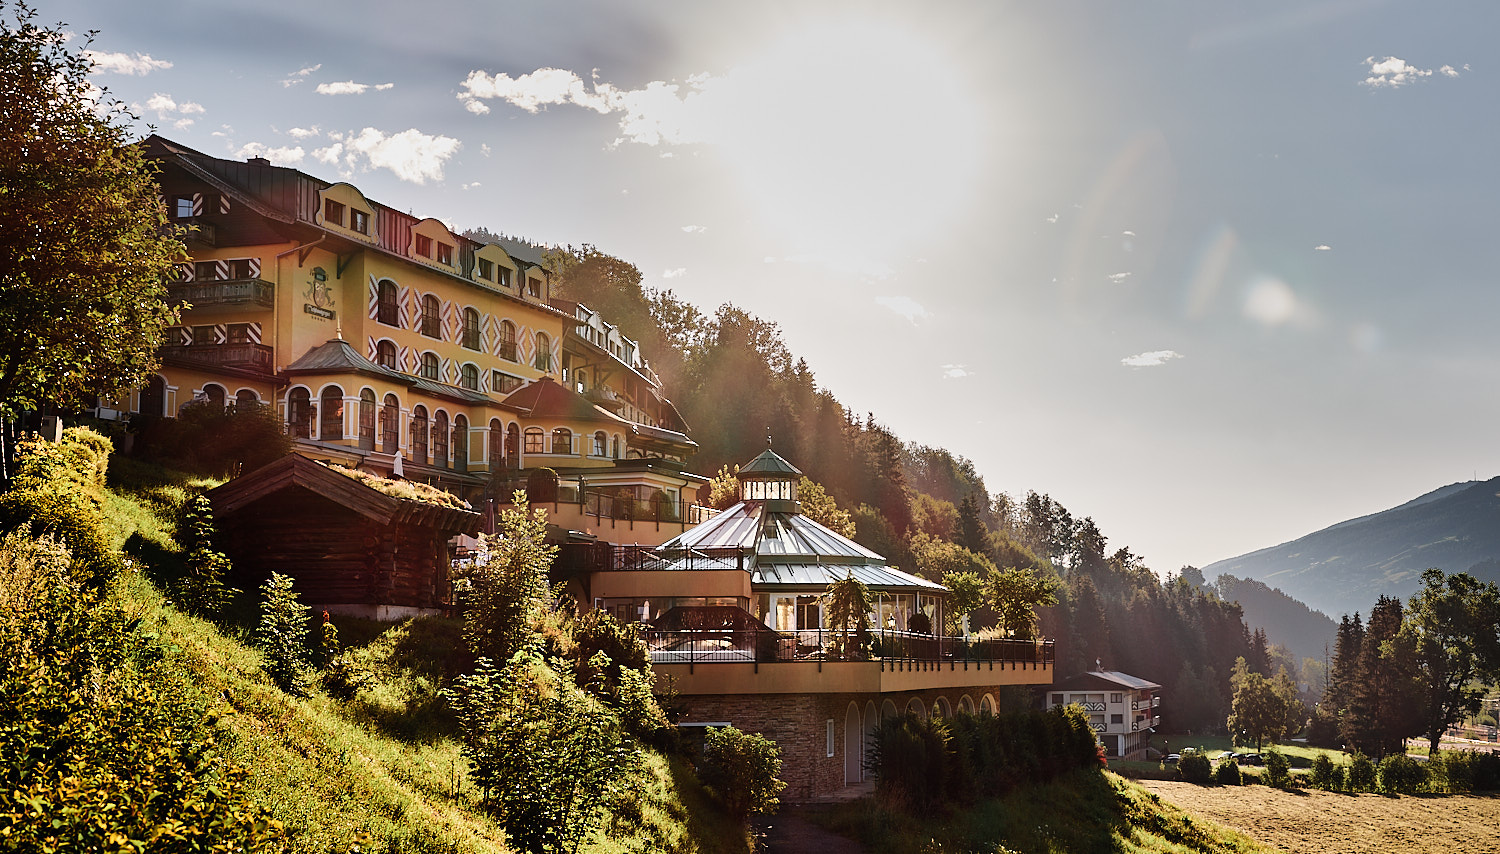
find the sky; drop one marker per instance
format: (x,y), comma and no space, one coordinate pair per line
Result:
(1214,274)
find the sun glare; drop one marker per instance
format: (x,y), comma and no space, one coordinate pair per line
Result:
(855,140)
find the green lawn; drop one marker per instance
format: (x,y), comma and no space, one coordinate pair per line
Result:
(1300,755)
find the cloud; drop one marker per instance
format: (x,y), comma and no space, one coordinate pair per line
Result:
(472,186)
(694,229)
(1118,277)
(905,306)
(484,148)
(349,87)
(1393,72)
(769,259)
(166,108)
(1151,359)
(674,273)
(955,372)
(412,155)
(1052,218)
(1272,302)
(303,133)
(1322,247)
(1128,233)
(299,75)
(281,156)
(136,65)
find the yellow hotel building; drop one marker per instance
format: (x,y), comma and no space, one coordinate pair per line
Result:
(388,343)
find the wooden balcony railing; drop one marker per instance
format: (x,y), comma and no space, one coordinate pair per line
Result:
(257,356)
(224,292)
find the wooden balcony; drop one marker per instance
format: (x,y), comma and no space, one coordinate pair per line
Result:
(253,356)
(224,293)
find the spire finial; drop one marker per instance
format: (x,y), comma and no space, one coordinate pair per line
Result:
(338,331)
(768,437)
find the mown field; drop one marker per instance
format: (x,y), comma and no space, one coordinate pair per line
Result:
(1316,822)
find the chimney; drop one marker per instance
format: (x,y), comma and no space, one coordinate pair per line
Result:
(258,161)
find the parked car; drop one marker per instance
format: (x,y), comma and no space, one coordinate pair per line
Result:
(1171,759)
(1251,759)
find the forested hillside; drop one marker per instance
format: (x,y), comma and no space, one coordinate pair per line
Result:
(926,509)
(1307,633)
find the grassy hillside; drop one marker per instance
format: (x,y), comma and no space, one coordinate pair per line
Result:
(374,769)
(1344,568)
(1086,812)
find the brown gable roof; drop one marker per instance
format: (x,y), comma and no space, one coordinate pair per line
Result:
(296,471)
(547,398)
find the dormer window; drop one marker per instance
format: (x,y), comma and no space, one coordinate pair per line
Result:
(505,277)
(486,269)
(333,213)
(182,207)
(534,287)
(424,246)
(359,221)
(445,254)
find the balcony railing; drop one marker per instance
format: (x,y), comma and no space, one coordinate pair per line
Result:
(256,356)
(608,557)
(224,292)
(707,646)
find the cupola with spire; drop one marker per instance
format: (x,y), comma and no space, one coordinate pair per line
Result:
(769,478)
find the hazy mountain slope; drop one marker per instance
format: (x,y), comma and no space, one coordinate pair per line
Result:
(1345,567)
(1285,620)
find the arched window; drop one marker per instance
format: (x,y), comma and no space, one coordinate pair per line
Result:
(460,443)
(615,451)
(513,446)
(599,443)
(390,425)
(299,413)
(471,329)
(215,395)
(468,377)
(386,310)
(495,444)
(507,340)
(331,414)
(543,361)
(154,396)
(562,441)
(429,366)
(432,319)
(440,439)
(419,434)
(535,440)
(385,355)
(245,398)
(367,419)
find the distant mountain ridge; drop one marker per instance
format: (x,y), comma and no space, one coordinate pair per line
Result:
(1345,567)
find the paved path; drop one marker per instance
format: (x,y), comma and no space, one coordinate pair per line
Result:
(790,832)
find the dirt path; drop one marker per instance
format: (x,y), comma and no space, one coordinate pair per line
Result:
(1314,822)
(789,832)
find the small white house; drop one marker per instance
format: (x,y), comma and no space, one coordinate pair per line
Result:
(1123,709)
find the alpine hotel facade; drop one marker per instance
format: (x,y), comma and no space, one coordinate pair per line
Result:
(388,344)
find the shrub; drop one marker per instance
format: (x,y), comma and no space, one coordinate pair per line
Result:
(1278,770)
(622,675)
(1361,776)
(1228,773)
(741,770)
(1195,768)
(282,634)
(202,590)
(541,486)
(217,440)
(105,749)
(1338,779)
(57,490)
(1322,772)
(1402,775)
(548,758)
(1464,771)
(508,584)
(911,761)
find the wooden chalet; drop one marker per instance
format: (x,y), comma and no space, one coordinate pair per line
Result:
(352,549)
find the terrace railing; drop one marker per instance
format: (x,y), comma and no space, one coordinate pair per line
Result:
(705,646)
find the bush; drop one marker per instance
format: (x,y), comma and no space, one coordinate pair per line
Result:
(1465,771)
(548,758)
(912,761)
(1278,770)
(105,749)
(1338,779)
(742,769)
(1361,776)
(1322,773)
(216,440)
(1195,768)
(541,486)
(202,590)
(58,490)
(507,586)
(1228,773)
(282,634)
(1402,775)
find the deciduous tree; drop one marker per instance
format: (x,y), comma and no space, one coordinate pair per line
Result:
(1454,626)
(85,246)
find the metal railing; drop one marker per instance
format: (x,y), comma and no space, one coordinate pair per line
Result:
(707,646)
(609,557)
